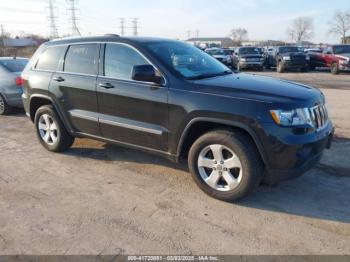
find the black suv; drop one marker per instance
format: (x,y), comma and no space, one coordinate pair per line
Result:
(172,99)
(288,57)
(248,57)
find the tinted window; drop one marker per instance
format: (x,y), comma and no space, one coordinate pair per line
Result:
(120,60)
(14,65)
(50,58)
(82,59)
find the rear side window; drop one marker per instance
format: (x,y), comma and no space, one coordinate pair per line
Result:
(120,60)
(14,65)
(50,58)
(82,59)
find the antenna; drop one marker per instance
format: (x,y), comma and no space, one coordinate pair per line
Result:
(135,22)
(122,26)
(72,9)
(52,19)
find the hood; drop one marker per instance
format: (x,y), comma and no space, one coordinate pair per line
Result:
(262,88)
(220,56)
(346,56)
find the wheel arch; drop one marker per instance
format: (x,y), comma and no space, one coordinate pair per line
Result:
(203,125)
(39,100)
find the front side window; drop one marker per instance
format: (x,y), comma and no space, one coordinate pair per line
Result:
(82,59)
(50,58)
(342,49)
(186,60)
(120,60)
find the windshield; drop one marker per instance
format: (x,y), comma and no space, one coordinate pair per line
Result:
(342,49)
(288,49)
(188,61)
(249,51)
(14,65)
(216,52)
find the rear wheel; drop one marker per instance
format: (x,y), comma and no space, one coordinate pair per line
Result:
(225,165)
(50,130)
(4,107)
(335,68)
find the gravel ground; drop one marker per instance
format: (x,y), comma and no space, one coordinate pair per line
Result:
(103,199)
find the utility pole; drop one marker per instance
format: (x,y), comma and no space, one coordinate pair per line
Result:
(188,34)
(122,26)
(197,33)
(2,43)
(135,22)
(72,9)
(52,19)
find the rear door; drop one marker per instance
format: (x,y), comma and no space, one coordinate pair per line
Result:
(75,87)
(131,112)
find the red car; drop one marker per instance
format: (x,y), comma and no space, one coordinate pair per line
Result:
(336,57)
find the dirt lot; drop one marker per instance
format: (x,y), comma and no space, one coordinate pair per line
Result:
(102,199)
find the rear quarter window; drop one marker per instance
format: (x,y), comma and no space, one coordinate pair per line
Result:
(50,58)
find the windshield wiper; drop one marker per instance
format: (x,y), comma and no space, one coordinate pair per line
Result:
(210,75)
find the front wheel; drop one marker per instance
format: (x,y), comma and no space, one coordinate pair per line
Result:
(50,130)
(335,69)
(225,165)
(280,67)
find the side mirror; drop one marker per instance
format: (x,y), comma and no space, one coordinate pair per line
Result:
(146,73)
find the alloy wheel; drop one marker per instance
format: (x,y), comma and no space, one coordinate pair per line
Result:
(220,167)
(48,129)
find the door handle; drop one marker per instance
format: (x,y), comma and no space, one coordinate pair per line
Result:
(106,85)
(58,79)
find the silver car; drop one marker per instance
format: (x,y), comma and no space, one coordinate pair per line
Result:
(11,83)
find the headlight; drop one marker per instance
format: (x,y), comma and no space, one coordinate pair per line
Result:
(243,60)
(343,62)
(296,117)
(287,58)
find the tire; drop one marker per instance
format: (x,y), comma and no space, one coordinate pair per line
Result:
(335,68)
(245,174)
(280,67)
(50,130)
(4,107)
(304,69)
(260,69)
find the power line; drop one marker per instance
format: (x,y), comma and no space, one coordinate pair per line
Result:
(52,20)
(72,9)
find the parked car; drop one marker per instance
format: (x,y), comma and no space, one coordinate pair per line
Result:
(336,57)
(224,56)
(10,83)
(167,97)
(288,57)
(248,58)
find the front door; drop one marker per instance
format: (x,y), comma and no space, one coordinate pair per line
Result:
(131,112)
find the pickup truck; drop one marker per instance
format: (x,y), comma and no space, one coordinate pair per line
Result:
(336,57)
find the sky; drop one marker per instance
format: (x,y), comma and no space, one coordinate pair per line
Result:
(264,19)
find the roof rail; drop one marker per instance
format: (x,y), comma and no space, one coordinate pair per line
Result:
(114,35)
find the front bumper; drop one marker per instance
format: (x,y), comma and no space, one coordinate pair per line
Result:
(289,155)
(251,64)
(295,64)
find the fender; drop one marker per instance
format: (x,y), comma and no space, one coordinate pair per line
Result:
(236,124)
(63,118)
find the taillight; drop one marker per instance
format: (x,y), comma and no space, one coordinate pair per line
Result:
(19,81)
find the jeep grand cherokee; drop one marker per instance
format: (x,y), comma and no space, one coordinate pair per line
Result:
(167,97)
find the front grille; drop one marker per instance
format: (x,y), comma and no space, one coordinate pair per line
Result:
(319,116)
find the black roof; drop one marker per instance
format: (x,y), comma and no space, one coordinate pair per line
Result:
(106,38)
